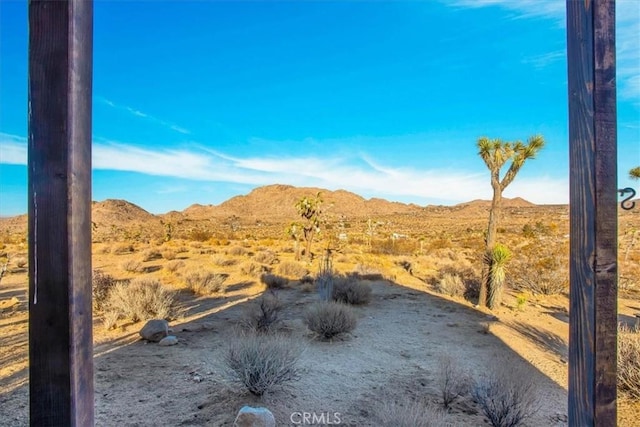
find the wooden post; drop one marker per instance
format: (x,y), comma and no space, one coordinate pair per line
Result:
(593,201)
(60,318)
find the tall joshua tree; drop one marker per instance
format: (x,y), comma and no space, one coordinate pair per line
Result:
(496,153)
(309,208)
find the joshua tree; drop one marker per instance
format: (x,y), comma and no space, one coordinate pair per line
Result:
(500,255)
(496,153)
(309,208)
(634,173)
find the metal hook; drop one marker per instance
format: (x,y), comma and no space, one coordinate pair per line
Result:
(626,203)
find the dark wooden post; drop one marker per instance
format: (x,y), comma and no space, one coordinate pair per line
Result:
(593,196)
(60,319)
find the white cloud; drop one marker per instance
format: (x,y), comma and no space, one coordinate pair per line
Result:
(360,174)
(138,113)
(627,32)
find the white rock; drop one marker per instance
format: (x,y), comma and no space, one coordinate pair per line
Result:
(254,417)
(168,340)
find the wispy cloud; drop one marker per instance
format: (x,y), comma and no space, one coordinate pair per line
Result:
(359,173)
(627,30)
(546,59)
(143,115)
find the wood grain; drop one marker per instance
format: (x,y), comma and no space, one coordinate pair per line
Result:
(60,318)
(593,212)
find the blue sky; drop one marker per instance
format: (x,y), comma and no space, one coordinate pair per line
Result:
(195,102)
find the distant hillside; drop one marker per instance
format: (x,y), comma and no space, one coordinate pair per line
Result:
(278,202)
(516,202)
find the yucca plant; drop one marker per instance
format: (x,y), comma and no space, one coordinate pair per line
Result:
(500,256)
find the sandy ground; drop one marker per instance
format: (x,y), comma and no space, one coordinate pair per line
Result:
(393,354)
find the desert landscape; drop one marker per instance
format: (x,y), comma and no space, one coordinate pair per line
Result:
(413,349)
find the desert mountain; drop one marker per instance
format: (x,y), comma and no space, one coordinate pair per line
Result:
(278,202)
(516,202)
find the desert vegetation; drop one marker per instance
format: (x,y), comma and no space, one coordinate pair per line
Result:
(399,295)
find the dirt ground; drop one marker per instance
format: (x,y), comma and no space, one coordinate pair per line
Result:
(394,351)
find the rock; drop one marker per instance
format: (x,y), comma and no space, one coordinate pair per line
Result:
(254,417)
(154,330)
(168,340)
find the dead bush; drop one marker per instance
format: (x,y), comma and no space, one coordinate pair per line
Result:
(223,261)
(452,381)
(450,284)
(21,262)
(150,255)
(409,413)
(132,266)
(169,254)
(263,314)
(271,281)
(142,299)
(122,248)
(549,282)
(173,266)
(263,362)
(251,268)
(349,290)
(629,361)
(292,269)
(506,396)
(101,284)
(205,282)
(266,257)
(236,251)
(330,319)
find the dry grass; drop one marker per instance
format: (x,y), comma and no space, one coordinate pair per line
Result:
(349,290)
(263,362)
(271,281)
(236,251)
(142,299)
(132,266)
(174,266)
(223,261)
(202,282)
(409,413)
(629,361)
(266,257)
(330,319)
(292,269)
(450,284)
(150,255)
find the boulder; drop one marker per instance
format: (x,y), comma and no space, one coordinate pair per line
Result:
(168,340)
(154,330)
(254,417)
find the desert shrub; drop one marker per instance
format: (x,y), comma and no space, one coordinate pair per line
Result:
(101,284)
(349,290)
(204,282)
(263,313)
(263,362)
(169,254)
(365,269)
(21,262)
(629,361)
(251,268)
(151,254)
(450,284)
(132,266)
(394,246)
(223,261)
(272,281)
(546,282)
(292,269)
(265,257)
(506,396)
(330,319)
(543,269)
(452,381)
(173,266)
(199,235)
(236,251)
(141,299)
(409,413)
(122,248)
